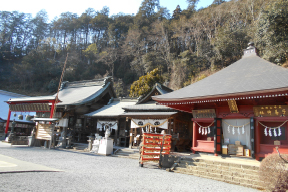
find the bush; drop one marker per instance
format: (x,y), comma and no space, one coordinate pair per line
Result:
(273,173)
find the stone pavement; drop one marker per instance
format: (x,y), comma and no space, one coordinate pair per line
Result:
(12,165)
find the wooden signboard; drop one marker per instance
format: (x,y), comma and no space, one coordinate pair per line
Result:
(233,106)
(151,147)
(270,110)
(44,131)
(204,113)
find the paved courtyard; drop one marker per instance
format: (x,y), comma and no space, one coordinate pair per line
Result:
(38,169)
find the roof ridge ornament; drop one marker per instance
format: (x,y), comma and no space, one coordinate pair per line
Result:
(251,50)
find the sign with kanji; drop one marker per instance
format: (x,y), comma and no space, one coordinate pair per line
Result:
(204,113)
(233,106)
(270,110)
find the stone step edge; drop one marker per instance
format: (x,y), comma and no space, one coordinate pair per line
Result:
(225,172)
(211,167)
(125,156)
(242,176)
(221,179)
(250,167)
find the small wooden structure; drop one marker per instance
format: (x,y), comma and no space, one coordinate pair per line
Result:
(109,117)
(74,100)
(45,129)
(148,116)
(153,146)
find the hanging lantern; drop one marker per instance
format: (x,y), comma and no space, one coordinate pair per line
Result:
(20,117)
(279,131)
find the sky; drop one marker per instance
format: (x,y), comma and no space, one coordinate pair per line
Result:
(54,8)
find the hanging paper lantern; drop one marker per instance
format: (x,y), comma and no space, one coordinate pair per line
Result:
(199,130)
(243,130)
(208,130)
(270,133)
(239,130)
(279,131)
(228,128)
(233,130)
(265,131)
(275,133)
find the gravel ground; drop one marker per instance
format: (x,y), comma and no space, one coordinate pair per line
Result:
(87,172)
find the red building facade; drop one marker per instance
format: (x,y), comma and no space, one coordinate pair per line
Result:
(240,110)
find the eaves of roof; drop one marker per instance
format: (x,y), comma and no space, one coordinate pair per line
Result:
(249,75)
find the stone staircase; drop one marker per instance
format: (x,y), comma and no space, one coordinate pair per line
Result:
(127,153)
(235,173)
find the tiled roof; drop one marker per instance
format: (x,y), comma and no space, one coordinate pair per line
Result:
(113,109)
(4,107)
(162,89)
(75,93)
(146,107)
(249,74)
(148,114)
(38,98)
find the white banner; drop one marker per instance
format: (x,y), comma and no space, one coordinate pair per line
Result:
(107,125)
(161,123)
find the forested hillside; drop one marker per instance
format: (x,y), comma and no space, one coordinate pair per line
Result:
(185,46)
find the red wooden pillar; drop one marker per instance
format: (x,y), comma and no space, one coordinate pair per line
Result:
(257,138)
(218,136)
(194,139)
(52,109)
(8,121)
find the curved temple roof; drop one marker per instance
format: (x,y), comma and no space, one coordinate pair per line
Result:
(247,75)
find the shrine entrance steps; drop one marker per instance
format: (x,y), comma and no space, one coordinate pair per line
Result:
(127,153)
(229,170)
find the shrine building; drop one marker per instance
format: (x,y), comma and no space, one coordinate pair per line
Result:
(240,110)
